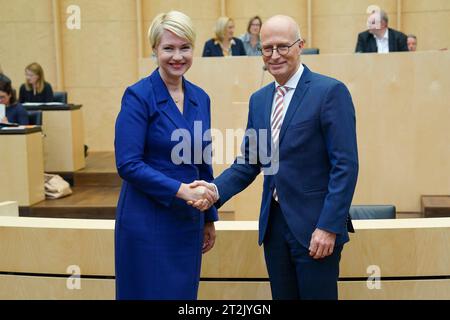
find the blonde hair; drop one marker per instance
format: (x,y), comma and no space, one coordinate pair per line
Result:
(37,70)
(221,25)
(174,21)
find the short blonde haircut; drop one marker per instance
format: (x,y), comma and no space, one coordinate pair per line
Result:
(221,25)
(174,21)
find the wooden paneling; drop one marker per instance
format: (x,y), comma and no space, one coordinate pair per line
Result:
(53,288)
(336,24)
(401,110)
(429,21)
(44,288)
(27,36)
(242,11)
(400,248)
(203,14)
(100,109)
(234,290)
(236,255)
(396,290)
(99,61)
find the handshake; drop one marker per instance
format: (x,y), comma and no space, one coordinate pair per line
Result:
(199,194)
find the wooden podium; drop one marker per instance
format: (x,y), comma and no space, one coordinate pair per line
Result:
(21,165)
(63,129)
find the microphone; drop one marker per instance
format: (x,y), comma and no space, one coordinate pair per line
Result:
(264,69)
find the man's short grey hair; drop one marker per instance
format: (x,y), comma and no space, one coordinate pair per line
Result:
(384,17)
(412,36)
(297,32)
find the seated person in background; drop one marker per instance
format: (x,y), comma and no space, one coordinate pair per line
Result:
(224,44)
(412,42)
(4,78)
(15,112)
(379,37)
(251,41)
(35,88)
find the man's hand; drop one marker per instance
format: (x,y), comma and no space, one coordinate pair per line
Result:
(197,194)
(322,244)
(209,236)
(203,204)
(4,120)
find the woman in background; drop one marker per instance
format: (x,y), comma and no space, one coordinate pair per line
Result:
(224,44)
(251,40)
(159,239)
(35,88)
(15,112)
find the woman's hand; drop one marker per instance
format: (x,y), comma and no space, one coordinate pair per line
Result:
(209,236)
(194,194)
(4,120)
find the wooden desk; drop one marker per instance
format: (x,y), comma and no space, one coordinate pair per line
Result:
(413,256)
(21,166)
(63,128)
(436,206)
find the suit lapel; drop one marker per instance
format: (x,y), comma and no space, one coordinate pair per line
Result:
(268,112)
(391,41)
(190,108)
(165,103)
(296,102)
(372,43)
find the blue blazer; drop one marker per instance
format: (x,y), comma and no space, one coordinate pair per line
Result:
(158,237)
(17,114)
(214,50)
(318,160)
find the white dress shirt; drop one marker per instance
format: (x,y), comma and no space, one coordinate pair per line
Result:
(383,42)
(292,85)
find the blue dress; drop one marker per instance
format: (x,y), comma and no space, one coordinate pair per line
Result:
(158,237)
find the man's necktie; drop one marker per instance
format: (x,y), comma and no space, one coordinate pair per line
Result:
(277,120)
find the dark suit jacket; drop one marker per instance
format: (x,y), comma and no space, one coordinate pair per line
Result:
(367,43)
(28,96)
(214,50)
(315,175)
(17,114)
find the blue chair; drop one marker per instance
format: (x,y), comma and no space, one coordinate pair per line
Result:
(362,212)
(35,117)
(60,96)
(310,51)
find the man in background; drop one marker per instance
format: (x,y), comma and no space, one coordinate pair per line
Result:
(379,37)
(412,42)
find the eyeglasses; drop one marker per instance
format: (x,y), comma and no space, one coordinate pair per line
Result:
(281,49)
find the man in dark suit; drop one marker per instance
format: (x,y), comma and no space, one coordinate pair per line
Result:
(310,176)
(379,37)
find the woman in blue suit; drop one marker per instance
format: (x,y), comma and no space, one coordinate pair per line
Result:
(159,239)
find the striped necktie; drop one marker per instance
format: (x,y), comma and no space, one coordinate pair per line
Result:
(277,120)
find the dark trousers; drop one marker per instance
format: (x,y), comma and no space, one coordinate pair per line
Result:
(292,272)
